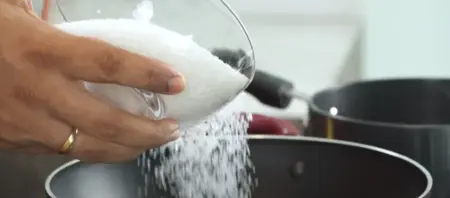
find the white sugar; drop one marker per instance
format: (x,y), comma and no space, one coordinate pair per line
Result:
(211,160)
(210,83)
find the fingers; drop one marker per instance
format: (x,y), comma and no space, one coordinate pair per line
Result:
(43,134)
(98,119)
(88,149)
(33,149)
(85,148)
(7,146)
(97,61)
(19,141)
(92,150)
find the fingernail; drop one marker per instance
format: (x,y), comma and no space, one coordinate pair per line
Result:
(174,126)
(176,84)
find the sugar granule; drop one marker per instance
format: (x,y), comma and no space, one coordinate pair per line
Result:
(211,160)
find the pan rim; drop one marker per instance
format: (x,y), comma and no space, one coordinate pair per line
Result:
(316,109)
(418,166)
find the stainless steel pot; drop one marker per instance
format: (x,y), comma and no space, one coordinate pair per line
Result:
(288,167)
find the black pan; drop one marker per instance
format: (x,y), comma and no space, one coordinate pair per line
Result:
(408,116)
(288,167)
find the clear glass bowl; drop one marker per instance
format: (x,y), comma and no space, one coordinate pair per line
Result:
(212,23)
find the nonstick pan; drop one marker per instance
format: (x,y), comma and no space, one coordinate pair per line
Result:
(408,116)
(286,166)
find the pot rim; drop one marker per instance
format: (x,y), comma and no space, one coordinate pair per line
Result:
(424,171)
(326,113)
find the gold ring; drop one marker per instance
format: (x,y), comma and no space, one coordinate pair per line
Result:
(68,144)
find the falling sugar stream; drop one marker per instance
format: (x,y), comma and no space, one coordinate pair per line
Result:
(211,160)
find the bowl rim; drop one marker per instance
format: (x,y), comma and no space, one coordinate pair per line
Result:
(418,166)
(315,108)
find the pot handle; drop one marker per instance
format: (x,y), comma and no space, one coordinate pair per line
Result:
(274,91)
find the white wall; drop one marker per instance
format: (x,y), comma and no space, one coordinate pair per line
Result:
(315,7)
(407,38)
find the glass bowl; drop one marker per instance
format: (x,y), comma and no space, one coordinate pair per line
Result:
(212,23)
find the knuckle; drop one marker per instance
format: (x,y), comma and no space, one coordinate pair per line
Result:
(156,78)
(45,90)
(158,133)
(44,58)
(152,75)
(15,136)
(26,94)
(109,62)
(109,127)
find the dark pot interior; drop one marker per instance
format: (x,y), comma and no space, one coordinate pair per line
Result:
(324,169)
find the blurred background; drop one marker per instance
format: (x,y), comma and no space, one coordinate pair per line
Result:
(322,43)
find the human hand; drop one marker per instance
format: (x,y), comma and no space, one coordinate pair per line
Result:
(43,99)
